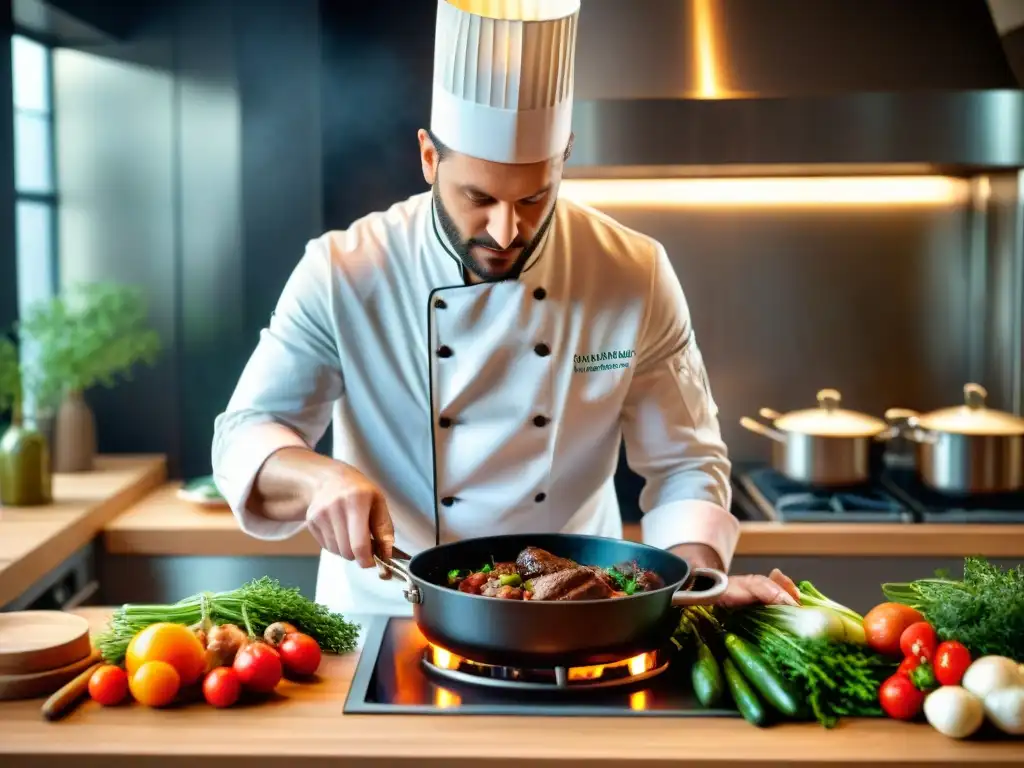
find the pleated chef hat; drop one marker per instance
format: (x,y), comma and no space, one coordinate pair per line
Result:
(503,77)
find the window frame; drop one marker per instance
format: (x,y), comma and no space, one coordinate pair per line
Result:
(49,199)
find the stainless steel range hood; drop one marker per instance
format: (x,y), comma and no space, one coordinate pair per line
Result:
(700,87)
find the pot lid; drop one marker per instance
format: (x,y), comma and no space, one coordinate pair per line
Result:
(829,420)
(973,417)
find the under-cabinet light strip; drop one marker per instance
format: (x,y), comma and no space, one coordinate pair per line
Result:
(809,191)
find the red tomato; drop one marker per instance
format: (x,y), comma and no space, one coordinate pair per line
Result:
(258,667)
(919,640)
(300,654)
(951,661)
(108,685)
(908,665)
(884,624)
(899,698)
(222,687)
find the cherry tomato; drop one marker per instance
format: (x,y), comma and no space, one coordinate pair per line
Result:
(908,665)
(900,699)
(919,640)
(300,654)
(108,685)
(884,624)
(222,687)
(258,667)
(951,661)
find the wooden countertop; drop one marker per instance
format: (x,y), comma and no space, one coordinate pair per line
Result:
(35,540)
(162,524)
(304,725)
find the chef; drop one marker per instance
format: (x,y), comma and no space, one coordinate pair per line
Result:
(481,349)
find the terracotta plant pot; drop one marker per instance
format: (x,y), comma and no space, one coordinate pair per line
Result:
(24,467)
(74,435)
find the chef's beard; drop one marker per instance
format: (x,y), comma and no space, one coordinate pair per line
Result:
(464,248)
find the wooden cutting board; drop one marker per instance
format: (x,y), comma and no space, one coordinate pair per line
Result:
(32,642)
(40,684)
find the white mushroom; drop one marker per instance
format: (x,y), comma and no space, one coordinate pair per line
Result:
(954,711)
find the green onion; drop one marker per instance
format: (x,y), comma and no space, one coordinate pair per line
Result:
(258,604)
(806,623)
(510,579)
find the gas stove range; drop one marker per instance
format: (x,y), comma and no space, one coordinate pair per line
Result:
(400,672)
(894,495)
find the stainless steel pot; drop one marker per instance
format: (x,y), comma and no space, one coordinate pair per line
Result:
(827,445)
(968,448)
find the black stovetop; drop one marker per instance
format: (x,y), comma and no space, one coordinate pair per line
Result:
(893,495)
(391,679)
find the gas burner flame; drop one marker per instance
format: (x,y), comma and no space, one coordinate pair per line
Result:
(635,666)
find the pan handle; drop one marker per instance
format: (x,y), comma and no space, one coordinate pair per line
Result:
(392,566)
(702,597)
(761,429)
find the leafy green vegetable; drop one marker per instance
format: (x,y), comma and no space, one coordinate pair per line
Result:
(836,677)
(258,604)
(984,611)
(625,584)
(486,569)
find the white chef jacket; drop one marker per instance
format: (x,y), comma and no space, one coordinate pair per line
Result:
(489,408)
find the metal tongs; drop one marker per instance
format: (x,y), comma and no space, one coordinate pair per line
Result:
(384,568)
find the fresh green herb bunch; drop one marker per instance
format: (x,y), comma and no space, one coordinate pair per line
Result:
(258,604)
(86,337)
(984,611)
(837,679)
(10,376)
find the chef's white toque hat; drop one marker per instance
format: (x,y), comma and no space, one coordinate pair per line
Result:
(503,77)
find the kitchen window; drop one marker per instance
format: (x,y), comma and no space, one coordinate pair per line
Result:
(34,171)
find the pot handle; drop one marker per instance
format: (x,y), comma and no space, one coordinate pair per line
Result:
(387,567)
(703,597)
(761,429)
(904,424)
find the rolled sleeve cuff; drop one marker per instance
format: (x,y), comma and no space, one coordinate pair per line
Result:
(236,474)
(692,522)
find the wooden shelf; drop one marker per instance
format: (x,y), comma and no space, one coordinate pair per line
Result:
(35,540)
(163,524)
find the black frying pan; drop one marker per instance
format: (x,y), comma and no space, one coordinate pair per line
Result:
(548,633)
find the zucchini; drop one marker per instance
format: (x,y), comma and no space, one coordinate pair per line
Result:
(746,699)
(706,677)
(756,669)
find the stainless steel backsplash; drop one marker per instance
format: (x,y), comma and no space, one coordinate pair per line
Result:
(871,301)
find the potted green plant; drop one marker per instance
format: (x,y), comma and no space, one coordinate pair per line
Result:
(87,336)
(24,453)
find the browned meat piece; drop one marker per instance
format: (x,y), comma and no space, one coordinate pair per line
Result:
(570,584)
(645,580)
(534,561)
(503,569)
(602,574)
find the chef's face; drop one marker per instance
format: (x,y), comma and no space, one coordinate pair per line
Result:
(494,214)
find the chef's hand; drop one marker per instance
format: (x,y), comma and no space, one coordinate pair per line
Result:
(346,510)
(775,589)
